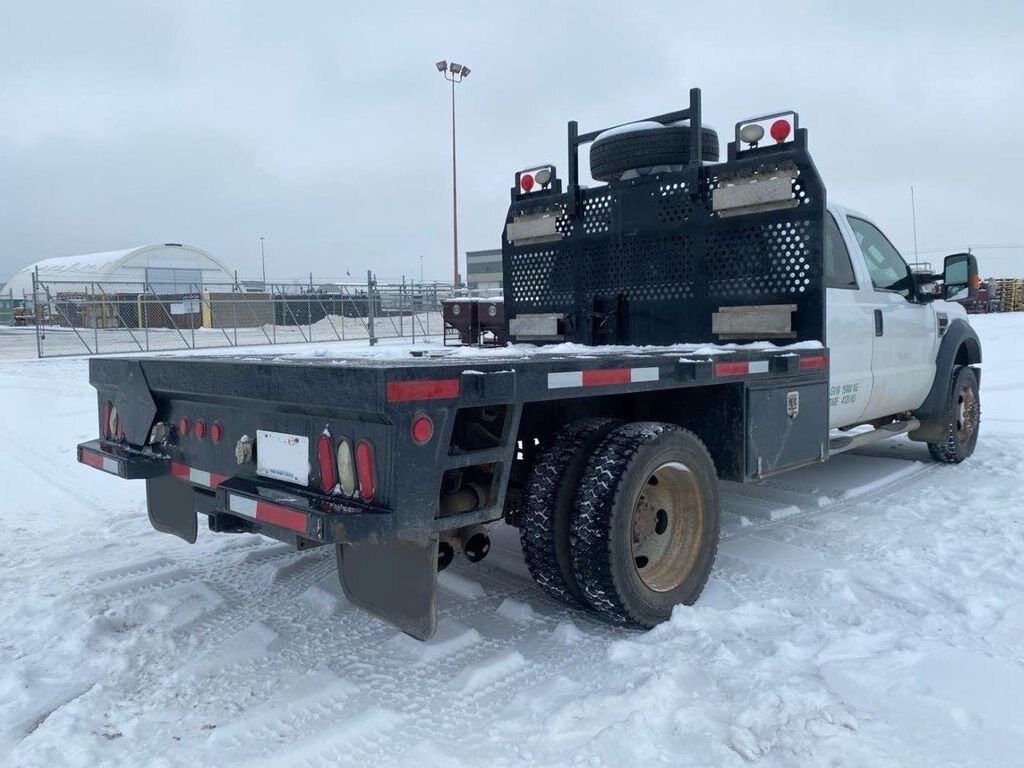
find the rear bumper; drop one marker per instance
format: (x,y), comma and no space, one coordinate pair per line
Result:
(281,513)
(116,460)
(323,519)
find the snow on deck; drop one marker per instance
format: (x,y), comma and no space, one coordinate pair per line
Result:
(434,352)
(865,612)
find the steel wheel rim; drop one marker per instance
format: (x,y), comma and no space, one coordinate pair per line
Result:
(667,527)
(966,414)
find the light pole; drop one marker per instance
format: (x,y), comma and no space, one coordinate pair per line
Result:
(421,268)
(454,73)
(263,262)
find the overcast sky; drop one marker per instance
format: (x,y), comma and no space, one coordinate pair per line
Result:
(324,126)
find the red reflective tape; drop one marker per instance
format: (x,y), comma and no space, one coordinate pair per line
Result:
(180,471)
(431,389)
(606,376)
(216,479)
(732,369)
(819,361)
(275,515)
(92,459)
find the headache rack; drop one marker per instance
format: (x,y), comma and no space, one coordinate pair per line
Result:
(714,252)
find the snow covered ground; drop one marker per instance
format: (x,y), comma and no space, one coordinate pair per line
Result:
(868,612)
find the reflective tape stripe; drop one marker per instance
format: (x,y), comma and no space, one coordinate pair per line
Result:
(644,374)
(602,377)
(243,506)
(731,369)
(98,461)
(265,512)
(758,366)
(565,379)
(197,476)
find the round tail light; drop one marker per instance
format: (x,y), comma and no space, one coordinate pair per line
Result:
(346,467)
(422,429)
(200,429)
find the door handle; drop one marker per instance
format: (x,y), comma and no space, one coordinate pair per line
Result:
(878,322)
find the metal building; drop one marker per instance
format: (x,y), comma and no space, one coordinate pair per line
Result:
(166,268)
(483,270)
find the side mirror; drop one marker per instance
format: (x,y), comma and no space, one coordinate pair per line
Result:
(960,277)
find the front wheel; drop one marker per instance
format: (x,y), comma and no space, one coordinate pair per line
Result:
(646,524)
(961,419)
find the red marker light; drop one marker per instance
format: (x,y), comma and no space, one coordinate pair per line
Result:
(200,429)
(422,429)
(325,457)
(365,470)
(216,432)
(183,426)
(526,182)
(780,130)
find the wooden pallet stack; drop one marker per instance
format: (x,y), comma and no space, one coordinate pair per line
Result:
(1011,294)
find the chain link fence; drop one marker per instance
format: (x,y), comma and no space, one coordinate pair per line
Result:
(113,317)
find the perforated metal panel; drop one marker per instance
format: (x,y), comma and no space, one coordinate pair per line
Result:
(654,250)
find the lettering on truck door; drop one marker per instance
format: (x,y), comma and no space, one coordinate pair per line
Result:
(905,336)
(849,326)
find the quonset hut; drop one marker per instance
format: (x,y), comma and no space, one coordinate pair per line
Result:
(167,268)
(149,286)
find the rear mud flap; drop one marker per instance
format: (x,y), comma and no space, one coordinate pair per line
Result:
(171,507)
(396,582)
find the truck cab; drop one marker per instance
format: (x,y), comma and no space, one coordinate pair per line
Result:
(884,328)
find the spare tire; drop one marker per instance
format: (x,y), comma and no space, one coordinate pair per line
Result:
(614,155)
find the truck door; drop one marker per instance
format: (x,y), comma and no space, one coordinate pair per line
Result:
(903,353)
(849,330)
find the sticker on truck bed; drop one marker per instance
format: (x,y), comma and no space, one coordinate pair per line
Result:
(282,457)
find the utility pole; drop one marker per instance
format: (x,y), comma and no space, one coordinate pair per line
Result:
(913,214)
(454,73)
(263,261)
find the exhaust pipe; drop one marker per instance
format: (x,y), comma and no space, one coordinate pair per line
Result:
(445,554)
(475,542)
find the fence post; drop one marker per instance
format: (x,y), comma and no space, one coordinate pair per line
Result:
(95,320)
(35,311)
(369,306)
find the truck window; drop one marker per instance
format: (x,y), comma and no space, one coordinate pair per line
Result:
(838,269)
(889,272)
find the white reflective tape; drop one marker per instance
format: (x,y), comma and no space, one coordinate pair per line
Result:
(566,379)
(758,366)
(643,374)
(243,506)
(110,465)
(199,477)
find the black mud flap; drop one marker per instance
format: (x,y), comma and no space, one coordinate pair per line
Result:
(396,582)
(171,507)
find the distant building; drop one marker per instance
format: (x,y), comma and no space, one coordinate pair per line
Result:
(483,270)
(168,268)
